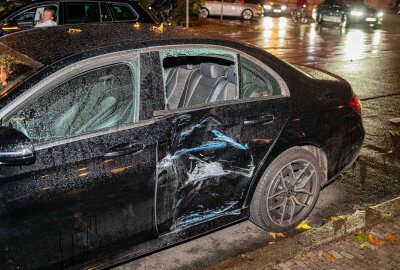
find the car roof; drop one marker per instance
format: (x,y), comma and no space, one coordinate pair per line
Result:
(51,44)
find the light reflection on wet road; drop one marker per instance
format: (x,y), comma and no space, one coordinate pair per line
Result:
(308,43)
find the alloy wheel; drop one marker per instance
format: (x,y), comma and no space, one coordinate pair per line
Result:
(247,14)
(203,13)
(292,193)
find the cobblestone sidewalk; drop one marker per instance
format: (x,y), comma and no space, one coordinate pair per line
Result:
(380,253)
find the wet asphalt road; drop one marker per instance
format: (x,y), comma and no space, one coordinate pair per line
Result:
(370,61)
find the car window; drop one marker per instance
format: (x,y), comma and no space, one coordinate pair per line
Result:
(123,13)
(29,18)
(256,81)
(83,13)
(92,101)
(26,16)
(198,76)
(14,68)
(105,13)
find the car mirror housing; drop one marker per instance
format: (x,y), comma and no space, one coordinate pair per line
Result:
(9,26)
(15,148)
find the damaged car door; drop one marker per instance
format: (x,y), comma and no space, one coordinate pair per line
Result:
(222,128)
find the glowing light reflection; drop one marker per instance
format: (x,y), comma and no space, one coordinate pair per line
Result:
(354,45)
(377,38)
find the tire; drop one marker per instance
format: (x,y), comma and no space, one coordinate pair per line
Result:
(204,13)
(279,205)
(247,14)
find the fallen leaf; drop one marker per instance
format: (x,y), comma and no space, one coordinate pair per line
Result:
(363,245)
(303,225)
(331,258)
(136,25)
(275,235)
(74,30)
(320,252)
(374,240)
(158,29)
(392,239)
(336,218)
(360,238)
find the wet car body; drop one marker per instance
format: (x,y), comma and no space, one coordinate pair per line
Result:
(231,8)
(346,13)
(23,15)
(98,197)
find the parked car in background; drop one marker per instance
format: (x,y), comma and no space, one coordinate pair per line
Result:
(116,141)
(346,13)
(231,8)
(275,7)
(23,15)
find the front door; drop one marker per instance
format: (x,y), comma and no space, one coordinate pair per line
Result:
(91,189)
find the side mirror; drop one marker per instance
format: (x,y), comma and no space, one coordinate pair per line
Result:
(9,27)
(15,148)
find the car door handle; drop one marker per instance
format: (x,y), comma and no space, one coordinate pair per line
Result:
(123,149)
(263,120)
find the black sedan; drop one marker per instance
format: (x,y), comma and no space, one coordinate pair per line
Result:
(26,14)
(121,139)
(346,13)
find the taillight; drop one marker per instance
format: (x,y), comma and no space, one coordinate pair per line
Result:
(355,104)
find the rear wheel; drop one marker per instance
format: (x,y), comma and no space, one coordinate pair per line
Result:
(247,14)
(287,191)
(204,13)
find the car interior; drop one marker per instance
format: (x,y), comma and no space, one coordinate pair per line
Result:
(192,80)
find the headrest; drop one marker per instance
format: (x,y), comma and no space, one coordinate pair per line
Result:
(231,74)
(211,70)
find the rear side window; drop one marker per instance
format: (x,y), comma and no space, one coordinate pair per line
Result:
(83,13)
(105,13)
(198,76)
(123,13)
(258,82)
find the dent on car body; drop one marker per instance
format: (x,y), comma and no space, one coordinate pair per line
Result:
(200,160)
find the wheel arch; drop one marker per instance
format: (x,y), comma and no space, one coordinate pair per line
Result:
(317,151)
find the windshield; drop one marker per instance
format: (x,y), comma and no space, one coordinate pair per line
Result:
(7,6)
(14,67)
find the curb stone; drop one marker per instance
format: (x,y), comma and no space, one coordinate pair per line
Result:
(295,246)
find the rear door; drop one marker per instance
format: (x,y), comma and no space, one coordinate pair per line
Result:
(217,142)
(91,190)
